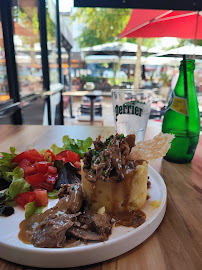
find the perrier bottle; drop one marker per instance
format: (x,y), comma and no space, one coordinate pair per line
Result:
(182,117)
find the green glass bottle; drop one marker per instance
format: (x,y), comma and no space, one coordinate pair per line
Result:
(182,117)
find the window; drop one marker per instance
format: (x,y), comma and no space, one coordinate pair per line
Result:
(52,44)
(4,93)
(27,46)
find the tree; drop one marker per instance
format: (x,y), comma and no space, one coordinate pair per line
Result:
(101,25)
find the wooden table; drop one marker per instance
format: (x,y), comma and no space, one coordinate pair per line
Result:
(177,243)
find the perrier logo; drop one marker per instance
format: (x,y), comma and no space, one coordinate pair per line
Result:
(129,108)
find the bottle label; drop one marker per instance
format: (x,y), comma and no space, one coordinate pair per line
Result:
(180,105)
(177,104)
(170,100)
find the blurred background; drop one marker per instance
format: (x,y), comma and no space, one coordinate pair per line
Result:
(51,47)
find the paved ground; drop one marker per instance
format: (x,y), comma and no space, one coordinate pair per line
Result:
(107,113)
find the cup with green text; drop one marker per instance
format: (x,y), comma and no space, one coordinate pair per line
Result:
(131,110)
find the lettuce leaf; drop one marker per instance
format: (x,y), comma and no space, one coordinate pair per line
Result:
(18,183)
(75,148)
(67,141)
(56,150)
(30,209)
(79,146)
(6,164)
(18,186)
(52,194)
(39,210)
(17,173)
(85,144)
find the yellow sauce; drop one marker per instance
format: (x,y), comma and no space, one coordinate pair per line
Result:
(155,204)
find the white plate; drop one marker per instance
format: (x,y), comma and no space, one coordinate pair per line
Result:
(122,239)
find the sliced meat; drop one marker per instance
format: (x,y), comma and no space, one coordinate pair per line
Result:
(85,235)
(108,158)
(100,224)
(75,198)
(116,161)
(130,140)
(49,228)
(98,144)
(91,226)
(125,150)
(63,191)
(73,195)
(51,232)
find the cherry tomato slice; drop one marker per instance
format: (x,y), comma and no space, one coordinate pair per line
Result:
(26,197)
(24,163)
(62,154)
(41,197)
(42,166)
(29,170)
(73,157)
(67,156)
(52,169)
(32,155)
(35,179)
(51,178)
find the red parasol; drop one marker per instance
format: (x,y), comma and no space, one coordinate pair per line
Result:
(147,23)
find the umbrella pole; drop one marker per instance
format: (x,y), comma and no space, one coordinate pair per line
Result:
(114,71)
(119,68)
(196,31)
(138,64)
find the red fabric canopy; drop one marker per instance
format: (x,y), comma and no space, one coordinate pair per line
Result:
(164,23)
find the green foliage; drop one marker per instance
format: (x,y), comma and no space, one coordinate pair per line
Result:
(150,42)
(32,23)
(51,34)
(199,42)
(120,80)
(35,22)
(102,25)
(183,42)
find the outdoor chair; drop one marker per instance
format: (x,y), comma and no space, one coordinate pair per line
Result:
(85,109)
